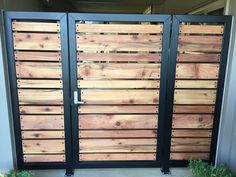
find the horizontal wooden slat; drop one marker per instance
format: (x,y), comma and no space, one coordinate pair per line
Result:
(154,57)
(119,28)
(36,41)
(42,122)
(117,70)
(117,121)
(35,26)
(190,144)
(117,109)
(120,96)
(194,97)
(187,156)
(45,158)
(29,83)
(197,71)
(41,109)
(191,133)
(198,57)
(117,145)
(200,40)
(192,121)
(38,70)
(195,84)
(119,43)
(100,38)
(126,156)
(42,134)
(199,48)
(106,47)
(118,133)
(193,109)
(40,96)
(201,29)
(43,146)
(118,83)
(37,56)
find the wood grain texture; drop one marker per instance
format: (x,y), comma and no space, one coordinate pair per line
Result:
(117,70)
(197,71)
(199,48)
(119,28)
(109,38)
(137,57)
(187,156)
(83,109)
(41,109)
(194,97)
(37,56)
(118,133)
(36,26)
(114,47)
(43,146)
(203,121)
(29,83)
(42,122)
(117,121)
(192,133)
(198,57)
(42,134)
(195,84)
(118,83)
(36,41)
(126,156)
(200,40)
(120,96)
(193,109)
(190,144)
(201,29)
(45,158)
(38,70)
(90,42)
(40,96)
(117,145)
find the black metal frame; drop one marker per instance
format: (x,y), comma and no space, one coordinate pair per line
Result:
(70,84)
(166,20)
(62,18)
(177,19)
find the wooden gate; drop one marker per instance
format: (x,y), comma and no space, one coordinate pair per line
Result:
(118,74)
(112,96)
(38,61)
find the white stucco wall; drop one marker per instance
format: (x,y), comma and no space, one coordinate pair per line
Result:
(226,152)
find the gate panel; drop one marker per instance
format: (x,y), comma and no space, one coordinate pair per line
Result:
(38,62)
(119,70)
(198,62)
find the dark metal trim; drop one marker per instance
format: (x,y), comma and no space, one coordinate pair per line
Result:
(177,19)
(62,17)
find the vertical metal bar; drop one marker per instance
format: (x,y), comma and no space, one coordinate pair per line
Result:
(162,101)
(220,88)
(170,94)
(66,94)
(73,85)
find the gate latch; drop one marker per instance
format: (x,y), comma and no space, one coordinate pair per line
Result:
(76,101)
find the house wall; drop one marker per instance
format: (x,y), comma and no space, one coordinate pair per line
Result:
(226,152)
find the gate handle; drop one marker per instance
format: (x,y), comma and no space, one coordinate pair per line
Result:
(76,101)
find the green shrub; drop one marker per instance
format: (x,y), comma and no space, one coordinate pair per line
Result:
(202,169)
(14,173)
